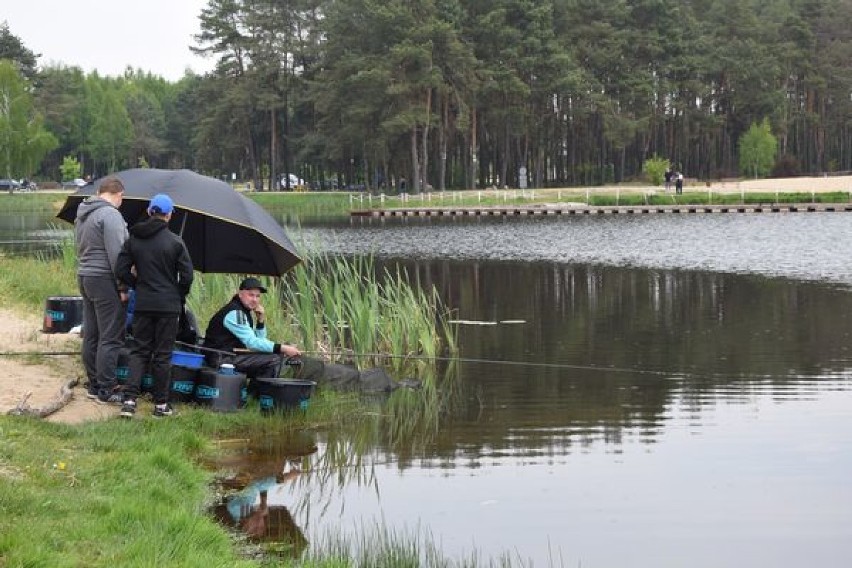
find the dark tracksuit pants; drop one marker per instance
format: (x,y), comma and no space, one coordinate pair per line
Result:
(269,365)
(104,320)
(153,342)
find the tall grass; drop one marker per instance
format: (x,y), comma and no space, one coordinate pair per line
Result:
(345,308)
(28,281)
(380,545)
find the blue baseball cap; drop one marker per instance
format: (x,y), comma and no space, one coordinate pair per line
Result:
(161,204)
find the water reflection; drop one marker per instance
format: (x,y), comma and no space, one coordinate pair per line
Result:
(27,232)
(604,350)
(258,478)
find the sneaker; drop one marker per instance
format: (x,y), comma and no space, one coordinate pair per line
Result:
(128,409)
(163,410)
(109,396)
(91,393)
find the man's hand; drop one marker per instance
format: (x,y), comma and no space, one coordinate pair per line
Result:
(290,351)
(260,314)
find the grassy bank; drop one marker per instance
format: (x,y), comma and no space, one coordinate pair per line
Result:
(107,494)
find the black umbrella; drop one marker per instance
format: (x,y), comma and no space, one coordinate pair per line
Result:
(224,231)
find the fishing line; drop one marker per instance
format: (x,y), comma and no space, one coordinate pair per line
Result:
(494,362)
(504,362)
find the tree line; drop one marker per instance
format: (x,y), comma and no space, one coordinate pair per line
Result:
(445,93)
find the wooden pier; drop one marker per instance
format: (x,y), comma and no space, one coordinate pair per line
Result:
(574,209)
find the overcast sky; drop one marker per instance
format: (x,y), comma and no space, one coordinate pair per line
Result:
(109,35)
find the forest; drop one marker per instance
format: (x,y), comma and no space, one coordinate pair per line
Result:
(371,94)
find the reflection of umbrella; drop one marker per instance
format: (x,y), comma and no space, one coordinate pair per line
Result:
(224,231)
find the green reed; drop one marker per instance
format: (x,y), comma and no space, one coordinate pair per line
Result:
(380,545)
(342,306)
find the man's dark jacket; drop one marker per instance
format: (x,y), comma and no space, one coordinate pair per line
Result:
(163,267)
(217,335)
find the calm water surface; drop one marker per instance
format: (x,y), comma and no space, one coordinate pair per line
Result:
(678,394)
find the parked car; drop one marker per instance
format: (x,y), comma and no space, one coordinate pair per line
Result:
(76,183)
(9,185)
(295,181)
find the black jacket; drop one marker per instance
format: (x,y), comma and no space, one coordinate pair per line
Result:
(163,268)
(217,335)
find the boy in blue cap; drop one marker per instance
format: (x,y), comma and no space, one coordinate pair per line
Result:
(154,261)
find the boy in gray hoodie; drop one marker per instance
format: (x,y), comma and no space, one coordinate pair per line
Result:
(100,232)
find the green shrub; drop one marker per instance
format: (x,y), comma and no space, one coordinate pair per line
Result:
(655,169)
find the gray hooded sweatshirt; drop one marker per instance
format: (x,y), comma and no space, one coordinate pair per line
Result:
(100,232)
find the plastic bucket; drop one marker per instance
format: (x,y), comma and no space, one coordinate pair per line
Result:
(275,394)
(187,359)
(147,383)
(62,313)
(122,366)
(122,372)
(182,388)
(221,392)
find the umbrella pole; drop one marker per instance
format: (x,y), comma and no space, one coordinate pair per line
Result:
(183,223)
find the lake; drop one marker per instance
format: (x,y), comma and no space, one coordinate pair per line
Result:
(634,391)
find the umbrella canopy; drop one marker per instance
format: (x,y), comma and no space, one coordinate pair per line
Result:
(224,231)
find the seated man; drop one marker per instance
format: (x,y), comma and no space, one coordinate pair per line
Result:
(240,328)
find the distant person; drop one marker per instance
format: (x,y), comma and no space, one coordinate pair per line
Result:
(679,183)
(99,233)
(239,328)
(155,263)
(668,177)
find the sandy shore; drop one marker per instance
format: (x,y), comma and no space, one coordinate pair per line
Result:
(38,386)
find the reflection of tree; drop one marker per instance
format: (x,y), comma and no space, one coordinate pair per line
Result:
(624,345)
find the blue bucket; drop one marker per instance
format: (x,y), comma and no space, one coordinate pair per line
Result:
(187,359)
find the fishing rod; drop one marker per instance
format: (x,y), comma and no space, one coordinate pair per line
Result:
(442,359)
(384,356)
(505,362)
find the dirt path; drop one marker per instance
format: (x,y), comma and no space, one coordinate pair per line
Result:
(40,385)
